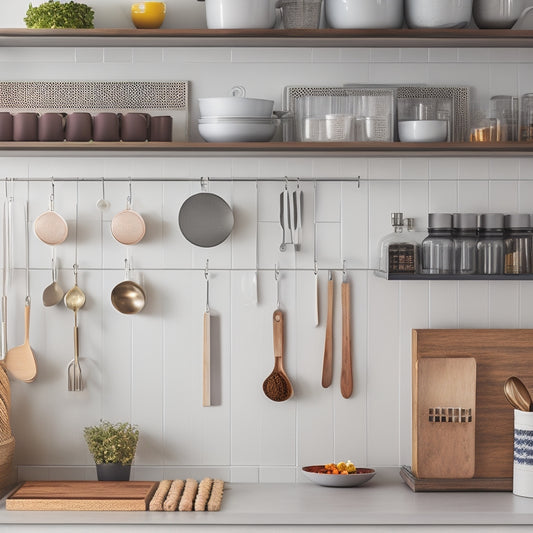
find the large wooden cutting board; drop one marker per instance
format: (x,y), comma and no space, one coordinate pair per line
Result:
(82,496)
(499,353)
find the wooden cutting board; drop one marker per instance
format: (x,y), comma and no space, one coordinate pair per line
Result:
(82,496)
(444,414)
(499,353)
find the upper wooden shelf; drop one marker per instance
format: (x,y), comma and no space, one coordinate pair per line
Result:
(265,149)
(268,38)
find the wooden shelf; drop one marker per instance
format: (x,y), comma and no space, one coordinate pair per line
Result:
(365,149)
(410,38)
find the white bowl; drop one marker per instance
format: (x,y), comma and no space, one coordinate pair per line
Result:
(362,475)
(497,13)
(364,14)
(240,13)
(438,13)
(235,106)
(237,130)
(422,131)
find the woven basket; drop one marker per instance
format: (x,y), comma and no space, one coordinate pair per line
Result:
(300,13)
(7,472)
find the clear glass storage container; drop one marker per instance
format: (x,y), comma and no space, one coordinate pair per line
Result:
(399,250)
(465,242)
(437,247)
(490,246)
(517,241)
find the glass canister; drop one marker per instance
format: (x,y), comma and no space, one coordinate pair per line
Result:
(465,242)
(490,246)
(517,241)
(526,117)
(437,247)
(504,109)
(398,250)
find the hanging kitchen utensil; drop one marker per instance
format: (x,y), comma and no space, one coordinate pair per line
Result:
(5,265)
(50,227)
(277,385)
(102,203)
(249,279)
(75,300)
(20,360)
(315,261)
(128,297)
(53,293)
(327,364)
(517,394)
(128,227)
(297,217)
(346,367)
(206,359)
(285,218)
(205,219)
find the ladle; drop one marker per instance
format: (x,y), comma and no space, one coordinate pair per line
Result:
(277,385)
(128,297)
(53,294)
(75,300)
(517,394)
(102,203)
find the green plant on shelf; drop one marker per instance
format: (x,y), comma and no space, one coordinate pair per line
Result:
(54,14)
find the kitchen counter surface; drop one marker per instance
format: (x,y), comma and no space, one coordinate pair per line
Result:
(384,500)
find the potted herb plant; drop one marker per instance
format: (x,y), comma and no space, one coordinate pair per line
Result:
(56,14)
(113,449)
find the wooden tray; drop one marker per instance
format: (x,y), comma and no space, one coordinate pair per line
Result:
(499,353)
(483,484)
(82,496)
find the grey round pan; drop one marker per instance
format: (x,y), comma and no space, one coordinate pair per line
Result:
(205,219)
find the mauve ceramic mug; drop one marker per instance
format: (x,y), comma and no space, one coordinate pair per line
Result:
(161,129)
(134,127)
(52,127)
(25,127)
(106,127)
(6,126)
(78,127)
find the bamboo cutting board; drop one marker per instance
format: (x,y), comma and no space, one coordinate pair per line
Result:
(499,353)
(444,433)
(82,496)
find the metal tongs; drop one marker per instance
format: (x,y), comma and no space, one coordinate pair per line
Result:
(290,217)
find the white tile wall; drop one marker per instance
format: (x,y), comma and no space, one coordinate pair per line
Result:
(147,368)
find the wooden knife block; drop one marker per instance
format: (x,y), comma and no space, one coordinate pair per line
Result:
(444,413)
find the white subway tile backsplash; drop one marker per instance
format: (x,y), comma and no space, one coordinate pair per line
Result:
(89,55)
(271,55)
(384,55)
(442,55)
(118,55)
(414,55)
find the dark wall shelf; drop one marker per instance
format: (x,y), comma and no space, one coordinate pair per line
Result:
(454,277)
(409,38)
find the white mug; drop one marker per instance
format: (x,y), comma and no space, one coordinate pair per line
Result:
(241,14)
(497,13)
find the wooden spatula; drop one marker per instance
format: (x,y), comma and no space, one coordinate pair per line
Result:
(327,365)
(346,369)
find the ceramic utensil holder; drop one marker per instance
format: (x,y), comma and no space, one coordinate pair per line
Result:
(78,127)
(6,126)
(106,127)
(523,454)
(161,128)
(25,127)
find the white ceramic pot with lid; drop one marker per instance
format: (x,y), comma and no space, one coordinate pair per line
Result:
(438,13)
(240,14)
(237,105)
(497,13)
(364,14)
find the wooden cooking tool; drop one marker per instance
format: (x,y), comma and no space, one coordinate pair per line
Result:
(20,360)
(277,385)
(346,369)
(517,394)
(499,353)
(444,406)
(327,364)
(82,496)
(206,396)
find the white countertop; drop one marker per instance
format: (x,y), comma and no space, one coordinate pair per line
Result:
(383,500)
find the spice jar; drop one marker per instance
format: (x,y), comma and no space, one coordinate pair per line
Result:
(399,249)
(490,244)
(465,242)
(437,247)
(517,241)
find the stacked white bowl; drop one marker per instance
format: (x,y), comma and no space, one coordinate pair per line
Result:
(236,118)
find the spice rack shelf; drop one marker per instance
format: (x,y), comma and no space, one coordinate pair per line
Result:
(364,149)
(453,277)
(329,37)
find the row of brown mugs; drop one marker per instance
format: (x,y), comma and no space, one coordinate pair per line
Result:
(80,126)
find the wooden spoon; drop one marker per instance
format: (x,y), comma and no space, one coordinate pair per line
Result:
(346,370)
(277,385)
(517,394)
(20,360)
(327,364)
